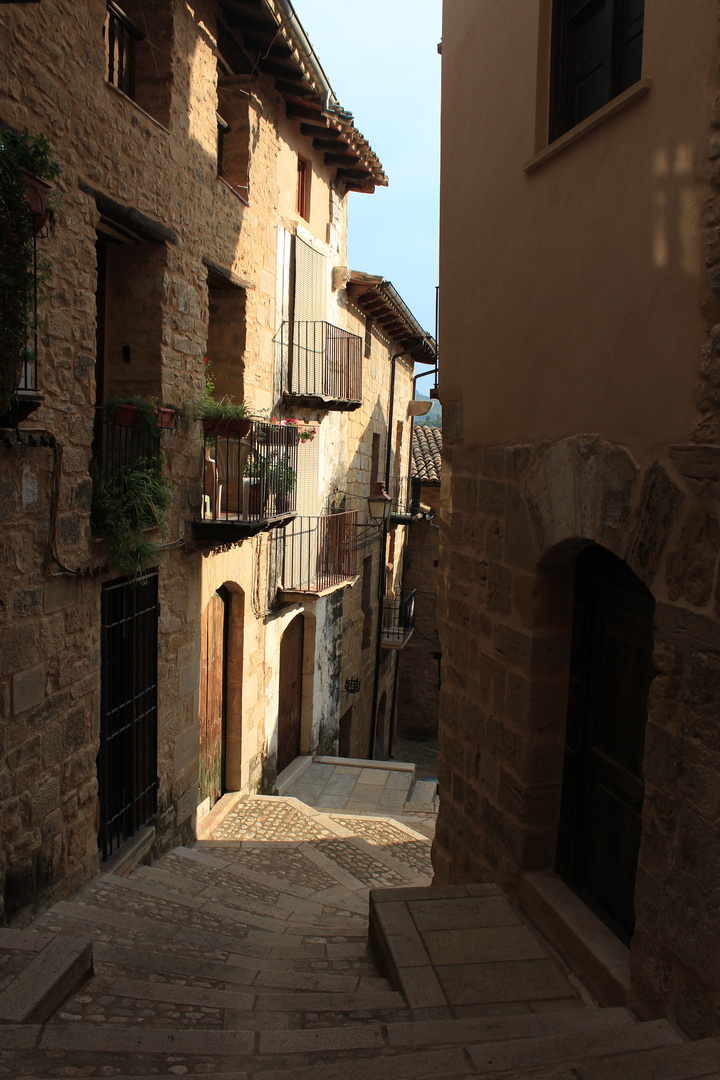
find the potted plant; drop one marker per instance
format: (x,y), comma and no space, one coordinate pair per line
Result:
(31,154)
(126,502)
(281,481)
(21,277)
(223,417)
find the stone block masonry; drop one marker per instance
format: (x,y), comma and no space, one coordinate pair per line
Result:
(505,608)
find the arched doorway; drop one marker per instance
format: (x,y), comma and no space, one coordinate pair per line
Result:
(603,785)
(290,700)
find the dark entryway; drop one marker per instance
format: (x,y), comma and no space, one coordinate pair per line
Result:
(213,681)
(127,759)
(603,785)
(290,705)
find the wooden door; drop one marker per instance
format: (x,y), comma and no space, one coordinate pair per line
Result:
(290,706)
(212,697)
(603,784)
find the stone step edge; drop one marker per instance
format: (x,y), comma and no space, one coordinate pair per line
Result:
(55,972)
(327,818)
(491,1034)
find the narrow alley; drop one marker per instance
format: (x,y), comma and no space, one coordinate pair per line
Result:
(246,955)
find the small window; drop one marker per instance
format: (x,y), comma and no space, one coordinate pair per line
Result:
(302,202)
(366,602)
(596,55)
(121,38)
(223,129)
(368,336)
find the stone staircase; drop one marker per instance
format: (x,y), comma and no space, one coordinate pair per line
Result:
(246,956)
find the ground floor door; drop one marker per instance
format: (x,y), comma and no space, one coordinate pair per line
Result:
(603,785)
(213,682)
(127,758)
(290,705)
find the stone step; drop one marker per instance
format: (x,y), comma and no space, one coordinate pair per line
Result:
(239,971)
(423,796)
(248,999)
(52,973)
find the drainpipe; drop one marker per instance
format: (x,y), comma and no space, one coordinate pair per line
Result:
(303,46)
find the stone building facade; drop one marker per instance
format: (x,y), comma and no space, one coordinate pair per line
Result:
(183,210)
(579,524)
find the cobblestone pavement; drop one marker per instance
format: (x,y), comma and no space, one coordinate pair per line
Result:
(245,957)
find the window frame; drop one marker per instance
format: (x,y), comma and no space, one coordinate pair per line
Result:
(616,39)
(302,192)
(121,74)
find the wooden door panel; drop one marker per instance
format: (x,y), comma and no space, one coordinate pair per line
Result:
(212,693)
(290,699)
(603,785)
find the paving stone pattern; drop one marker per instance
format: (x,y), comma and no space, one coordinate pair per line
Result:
(247,958)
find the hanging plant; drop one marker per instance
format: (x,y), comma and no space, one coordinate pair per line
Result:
(126,502)
(22,157)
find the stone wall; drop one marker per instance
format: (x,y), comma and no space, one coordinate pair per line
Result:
(419,695)
(513,520)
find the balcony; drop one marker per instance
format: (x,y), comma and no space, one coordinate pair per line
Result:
(316,556)
(405,495)
(323,364)
(249,482)
(398,621)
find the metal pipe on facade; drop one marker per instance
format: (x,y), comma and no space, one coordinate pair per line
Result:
(306,51)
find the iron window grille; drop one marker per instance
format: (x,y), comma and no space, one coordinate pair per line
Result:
(121,38)
(127,758)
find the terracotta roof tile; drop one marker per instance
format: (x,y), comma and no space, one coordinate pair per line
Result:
(427,454)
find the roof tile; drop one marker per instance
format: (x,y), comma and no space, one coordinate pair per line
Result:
(427,453)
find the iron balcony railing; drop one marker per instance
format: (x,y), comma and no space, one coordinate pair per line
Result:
(322,361)
(317,553)
(405,495)
(398,619)
(118,446)
(249,476)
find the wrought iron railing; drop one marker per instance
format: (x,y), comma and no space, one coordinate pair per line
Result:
(316,553)
(405,495)
(249,475)
(398,619)
(118,445)
(322,361)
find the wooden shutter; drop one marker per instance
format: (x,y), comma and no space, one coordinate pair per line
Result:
(310,283)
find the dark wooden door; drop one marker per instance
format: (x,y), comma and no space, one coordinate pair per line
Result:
(603,784)
(290,706)
(212,697)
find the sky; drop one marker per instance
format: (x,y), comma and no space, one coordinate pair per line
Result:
(381,60)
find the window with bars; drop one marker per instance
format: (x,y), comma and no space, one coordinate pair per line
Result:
(127,758)
(368,336)
(596,55)
(121,38)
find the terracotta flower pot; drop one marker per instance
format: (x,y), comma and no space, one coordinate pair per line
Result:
(166,418)
(124,416)
(37,191)
(223,428)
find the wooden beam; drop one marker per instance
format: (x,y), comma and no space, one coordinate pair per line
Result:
(325,144)
(129,218)
(354,174)
(259,44)
(295,90)
(315,130)
(290,72)
(348,160)
(301,112)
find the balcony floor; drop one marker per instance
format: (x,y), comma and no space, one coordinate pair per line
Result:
(232,528)
(307,595)
(317,401)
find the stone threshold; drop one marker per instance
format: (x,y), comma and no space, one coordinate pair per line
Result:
(368,763)
(57,969)
(131,854)
(596,955)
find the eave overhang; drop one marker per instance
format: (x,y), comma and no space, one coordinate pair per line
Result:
(266,36)
(377,296)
